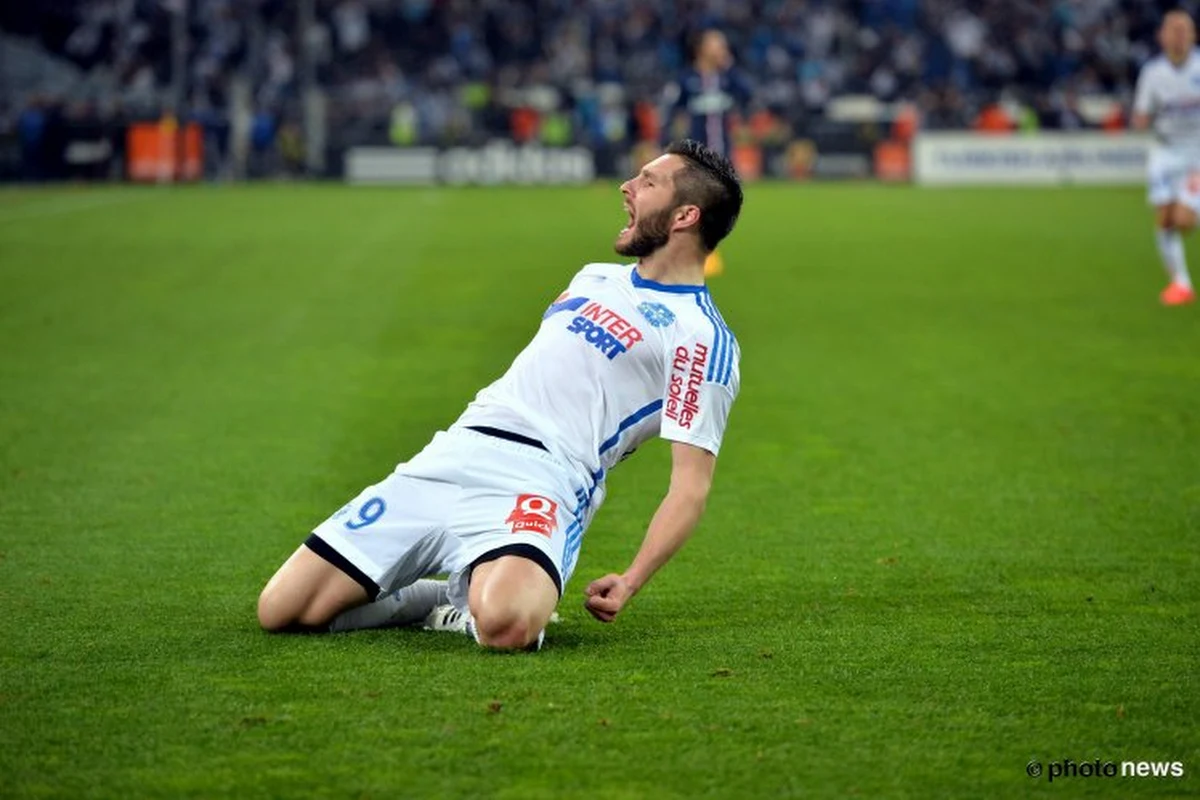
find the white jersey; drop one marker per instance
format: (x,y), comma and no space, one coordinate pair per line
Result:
(618,360)
(1171,95)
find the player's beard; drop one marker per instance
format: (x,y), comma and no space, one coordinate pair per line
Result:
(651,232)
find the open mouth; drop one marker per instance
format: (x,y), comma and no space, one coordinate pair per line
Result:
(629,222)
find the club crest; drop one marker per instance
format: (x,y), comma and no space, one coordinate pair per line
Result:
(657,314)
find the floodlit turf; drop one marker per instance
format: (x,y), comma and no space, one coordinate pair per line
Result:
(956,524)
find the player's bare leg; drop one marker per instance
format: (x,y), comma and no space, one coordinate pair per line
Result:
(1174,220)
(511,601)
(307,592)
(1183,218)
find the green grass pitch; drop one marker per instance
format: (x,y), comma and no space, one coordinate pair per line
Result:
(955,528)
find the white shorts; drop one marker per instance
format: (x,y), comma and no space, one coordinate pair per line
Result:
(467,498)
(1174,176)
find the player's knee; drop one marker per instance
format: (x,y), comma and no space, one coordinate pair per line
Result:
(1183,218)
(273,615)
(504,630)
(1164,217)
(276,614)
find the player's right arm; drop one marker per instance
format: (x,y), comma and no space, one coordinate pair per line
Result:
(1143,102)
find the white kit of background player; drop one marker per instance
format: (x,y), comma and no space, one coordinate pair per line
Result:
(1168,99)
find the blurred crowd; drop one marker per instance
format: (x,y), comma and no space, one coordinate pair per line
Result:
(442,71)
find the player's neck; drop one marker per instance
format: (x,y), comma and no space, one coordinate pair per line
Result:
(672,268)
(1179,60)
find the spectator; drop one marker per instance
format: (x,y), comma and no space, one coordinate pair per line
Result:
(31,131)
(455,64)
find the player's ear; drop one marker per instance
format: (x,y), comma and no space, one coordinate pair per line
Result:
(686,217)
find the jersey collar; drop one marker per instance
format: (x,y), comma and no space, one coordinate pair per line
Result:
(1187,62)
(677,288)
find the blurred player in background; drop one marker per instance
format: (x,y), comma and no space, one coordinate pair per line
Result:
(502,499)
(701,104)
(1168,98)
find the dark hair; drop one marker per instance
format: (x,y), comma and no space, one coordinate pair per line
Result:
(709,181)
(693,40)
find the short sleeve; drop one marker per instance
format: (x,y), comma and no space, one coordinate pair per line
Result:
(702,383)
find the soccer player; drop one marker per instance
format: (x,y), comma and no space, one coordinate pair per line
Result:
(502,499)
(704,99)
(1168,97)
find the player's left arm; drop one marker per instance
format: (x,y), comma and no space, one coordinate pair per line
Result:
(672,525)
(1143,103)
(702,382)
(743,91)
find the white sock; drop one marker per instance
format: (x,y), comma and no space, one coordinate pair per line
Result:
(402,607)
(1170,249)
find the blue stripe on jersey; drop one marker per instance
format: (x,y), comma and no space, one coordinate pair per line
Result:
(718,341)
(574,535)
(677,288)
(570,304)
(730,345)
(628,422)
(720,368)
(712,362)
(574,539)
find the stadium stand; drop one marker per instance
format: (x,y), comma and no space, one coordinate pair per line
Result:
(562,72)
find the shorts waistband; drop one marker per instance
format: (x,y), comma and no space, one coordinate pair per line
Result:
(541,452)
(488,430)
